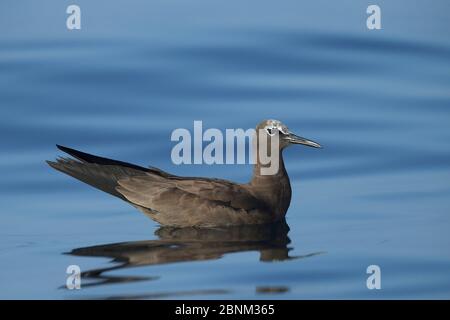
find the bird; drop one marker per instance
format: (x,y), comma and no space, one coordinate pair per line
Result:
(178,201)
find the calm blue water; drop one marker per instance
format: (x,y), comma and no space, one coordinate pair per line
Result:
(379,101)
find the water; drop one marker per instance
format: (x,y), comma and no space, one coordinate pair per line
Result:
(378,193)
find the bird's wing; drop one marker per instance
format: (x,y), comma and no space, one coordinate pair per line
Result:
(101,173)
(148,189)
(90,158)
(103,177)
(183,201)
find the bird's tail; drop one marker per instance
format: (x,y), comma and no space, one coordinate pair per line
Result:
(101,173)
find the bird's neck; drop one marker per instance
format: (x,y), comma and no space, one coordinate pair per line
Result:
(274,189)
(261,171)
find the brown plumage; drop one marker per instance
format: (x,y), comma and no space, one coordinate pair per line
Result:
(185,201)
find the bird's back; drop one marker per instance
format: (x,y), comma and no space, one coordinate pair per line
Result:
(166,198)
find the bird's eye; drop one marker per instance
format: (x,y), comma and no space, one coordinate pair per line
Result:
(270,131)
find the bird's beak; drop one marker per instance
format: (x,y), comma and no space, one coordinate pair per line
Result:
(295,139)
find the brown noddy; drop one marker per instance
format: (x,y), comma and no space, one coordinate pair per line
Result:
(190,201)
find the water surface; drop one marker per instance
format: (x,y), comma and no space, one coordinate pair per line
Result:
(379,102)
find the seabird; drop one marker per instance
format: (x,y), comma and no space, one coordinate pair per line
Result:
(192,201)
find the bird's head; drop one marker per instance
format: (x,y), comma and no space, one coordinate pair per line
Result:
(274,128)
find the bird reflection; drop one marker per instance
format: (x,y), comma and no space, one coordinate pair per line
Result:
(189,244)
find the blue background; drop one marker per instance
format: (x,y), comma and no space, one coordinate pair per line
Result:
(379,102)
